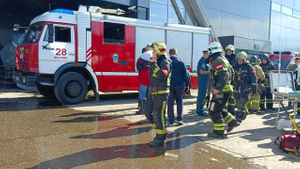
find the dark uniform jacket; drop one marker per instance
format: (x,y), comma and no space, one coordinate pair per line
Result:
(179,76)
(160,73)
(222,74)
(245,78)
(231,59)
(266,68)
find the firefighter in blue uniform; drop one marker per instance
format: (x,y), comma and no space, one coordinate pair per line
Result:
(203,77)
(221,79)
(266,95)
(155,108)
(230,56)
(244,84)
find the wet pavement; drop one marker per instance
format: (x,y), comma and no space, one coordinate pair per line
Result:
(40,133)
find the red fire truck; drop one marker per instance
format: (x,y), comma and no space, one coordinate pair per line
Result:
(72,52)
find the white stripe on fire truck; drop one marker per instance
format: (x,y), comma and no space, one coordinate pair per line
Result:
(89,57)
(89,54)
(89,50)
(116,73)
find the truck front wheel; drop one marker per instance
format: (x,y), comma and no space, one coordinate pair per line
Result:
(71,88)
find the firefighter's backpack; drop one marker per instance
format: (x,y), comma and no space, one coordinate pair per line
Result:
(289,142)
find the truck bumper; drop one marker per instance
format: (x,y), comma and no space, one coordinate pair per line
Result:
(25,80)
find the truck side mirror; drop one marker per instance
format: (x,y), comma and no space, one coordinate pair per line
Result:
(50,33)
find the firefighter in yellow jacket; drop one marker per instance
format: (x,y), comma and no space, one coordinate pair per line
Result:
(155,107)
(260,75)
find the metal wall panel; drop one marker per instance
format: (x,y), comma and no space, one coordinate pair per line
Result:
(145,36)
(213,4)
(276,17)
(283,37)
(291,42)
(200,43)
(260,10)
(143,3)
(182,41)
(277,1)
(123,2)
(297,4)
(234,25)
(275,36)
(289,22)
(259,29)
(243,43)
(296,23)
(288,3)
(283,19)
(237,7)
(263,45)
(215,19)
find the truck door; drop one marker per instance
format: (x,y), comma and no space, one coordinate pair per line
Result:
(114,56)
(62,50)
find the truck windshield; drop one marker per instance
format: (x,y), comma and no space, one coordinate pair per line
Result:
(33,33)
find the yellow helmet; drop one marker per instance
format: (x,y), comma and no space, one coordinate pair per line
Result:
(242,55)
(159,47)
(230,47)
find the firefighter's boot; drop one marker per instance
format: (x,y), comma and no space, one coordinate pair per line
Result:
(216,136)
(156,143)
(142,103)
(232,125)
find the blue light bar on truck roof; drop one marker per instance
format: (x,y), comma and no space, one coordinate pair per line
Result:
(284,52)
(63,11)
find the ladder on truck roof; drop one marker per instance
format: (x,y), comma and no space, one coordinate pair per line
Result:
(195,11)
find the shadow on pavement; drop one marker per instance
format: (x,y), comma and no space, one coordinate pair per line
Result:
(125,151)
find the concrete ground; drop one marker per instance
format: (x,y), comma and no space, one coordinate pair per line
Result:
(39,133)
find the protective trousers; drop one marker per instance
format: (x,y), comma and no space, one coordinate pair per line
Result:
(254,104)
(231,104)
(218,115)
(155,110)
(266,96)
(241,100)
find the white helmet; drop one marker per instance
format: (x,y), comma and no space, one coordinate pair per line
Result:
(214,47)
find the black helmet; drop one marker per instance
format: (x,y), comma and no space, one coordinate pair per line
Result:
(265,56)
(253,59)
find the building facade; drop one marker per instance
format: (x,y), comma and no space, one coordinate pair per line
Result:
(258,25)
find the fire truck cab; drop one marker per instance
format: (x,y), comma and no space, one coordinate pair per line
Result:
(72,52)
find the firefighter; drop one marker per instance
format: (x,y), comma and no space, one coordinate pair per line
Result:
(266,96)
(260,76)
(159,73)
(203,77)
(245,83)
(230,56)
(221,79)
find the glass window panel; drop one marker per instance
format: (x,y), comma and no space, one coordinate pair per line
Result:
(296,13)
(114,33)
(163,1)
(179,3)
(276,7)
(62,34)
(158,12)
(286,10)
(172,16)
(182,11)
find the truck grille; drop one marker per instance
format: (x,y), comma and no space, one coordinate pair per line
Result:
(24,66)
